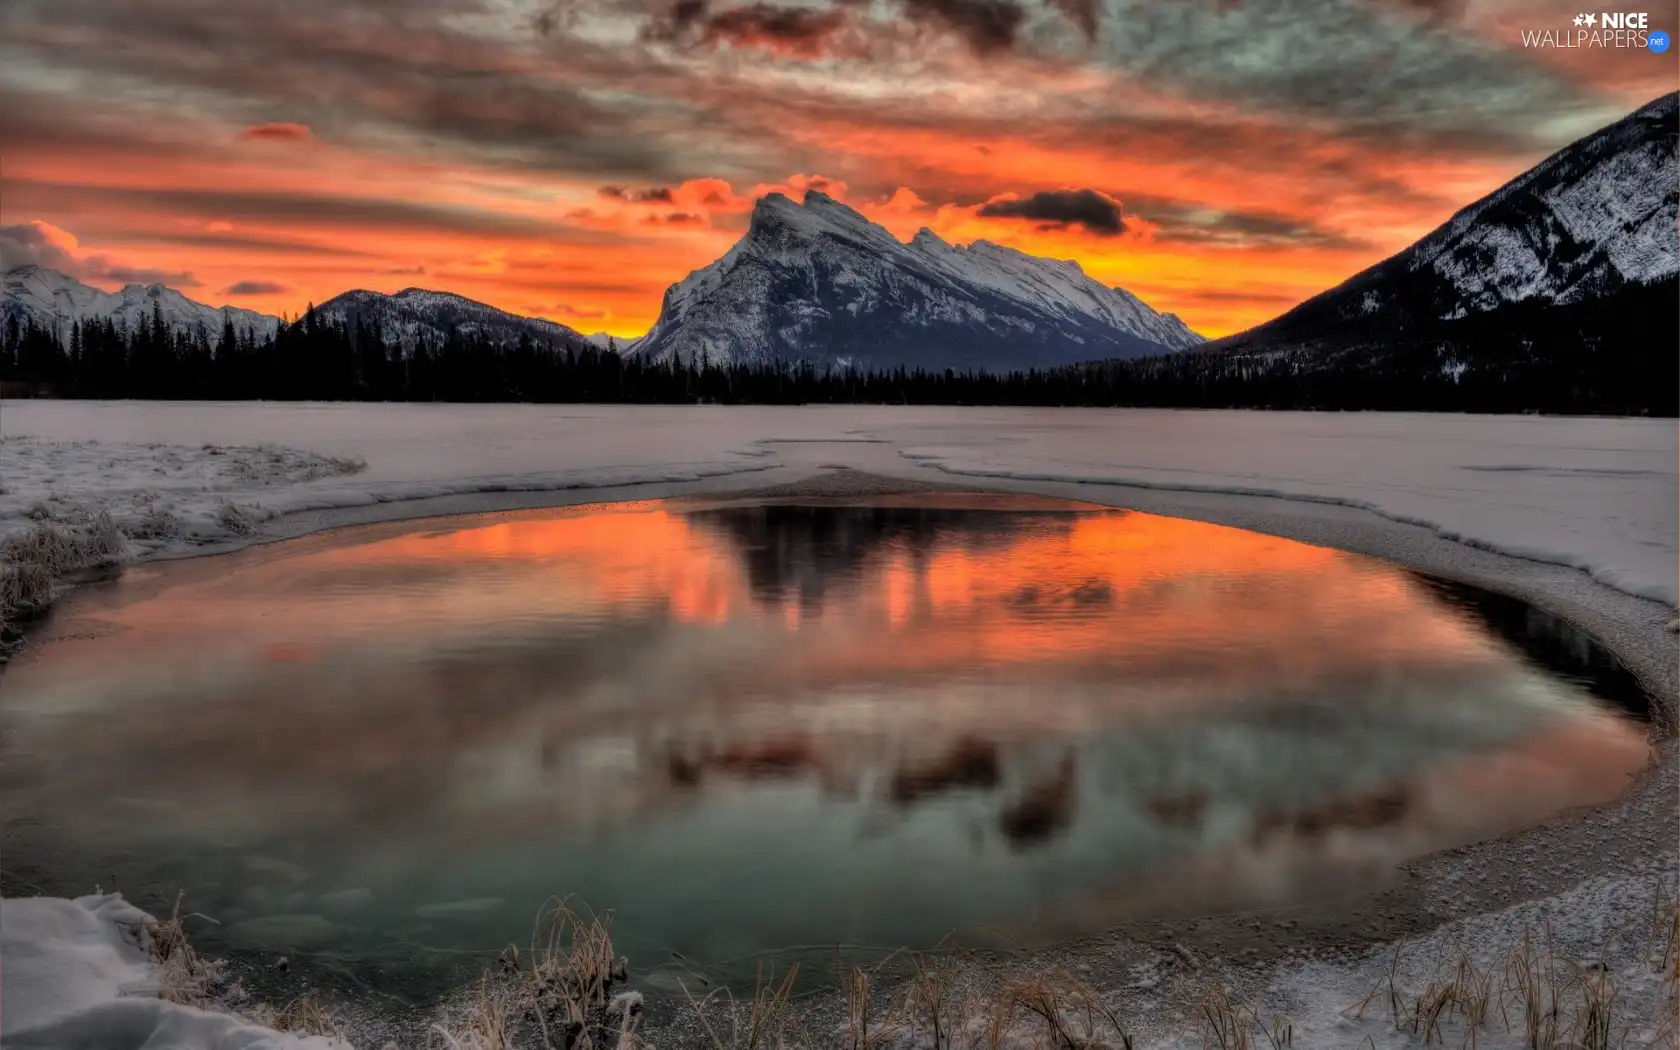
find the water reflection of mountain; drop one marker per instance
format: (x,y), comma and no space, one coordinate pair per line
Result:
(803,553)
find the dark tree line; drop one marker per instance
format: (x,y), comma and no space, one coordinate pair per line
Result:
(1496,365)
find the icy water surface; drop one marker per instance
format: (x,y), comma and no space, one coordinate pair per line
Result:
(751,727)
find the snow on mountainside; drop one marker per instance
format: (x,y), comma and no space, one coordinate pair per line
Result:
(415,314)
(1592,223)
(56,301)
(1596,216)
(818,283)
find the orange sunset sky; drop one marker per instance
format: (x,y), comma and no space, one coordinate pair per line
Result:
(1223,159)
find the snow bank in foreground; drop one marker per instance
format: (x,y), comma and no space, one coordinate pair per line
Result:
(77,974)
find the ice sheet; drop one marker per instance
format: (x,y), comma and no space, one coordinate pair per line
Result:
(1598,494)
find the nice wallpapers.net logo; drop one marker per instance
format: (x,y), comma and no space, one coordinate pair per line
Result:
(1629,30)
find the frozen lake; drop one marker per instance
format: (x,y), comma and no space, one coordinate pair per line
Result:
(752,726)
(1599,494)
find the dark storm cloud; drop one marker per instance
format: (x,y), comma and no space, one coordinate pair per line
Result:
(798,30)
(792,24)
(1082,13)
(1096,212)
(793,30)
(676,22)
(28,244)
(652,193)
(255,288)
(986,25)
(35,244)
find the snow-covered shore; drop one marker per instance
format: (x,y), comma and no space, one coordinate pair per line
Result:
(1592,966)
(1596,494)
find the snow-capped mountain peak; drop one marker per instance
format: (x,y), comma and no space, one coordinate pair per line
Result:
(56,301)
(818,282)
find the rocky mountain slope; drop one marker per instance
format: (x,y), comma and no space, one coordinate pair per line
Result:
(817,283)
(1592,225)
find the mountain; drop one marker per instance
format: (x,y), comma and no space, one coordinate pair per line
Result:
(1578,252)
(817,283)
(56,301)
(415,314)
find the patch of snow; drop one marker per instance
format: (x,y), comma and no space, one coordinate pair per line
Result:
(1598,214)
(78,974)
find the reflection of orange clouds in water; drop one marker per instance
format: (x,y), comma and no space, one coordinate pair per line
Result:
(1055,675)
(1097,588)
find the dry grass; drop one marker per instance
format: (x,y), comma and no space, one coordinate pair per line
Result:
(958,1000)
(183,975)
(559,996)
(60,545)
(305,1015)
(156,524)
(1533,991)
(482,1023)
(237,518)
(766,1013)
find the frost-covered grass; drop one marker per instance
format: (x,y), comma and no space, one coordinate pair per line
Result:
(68,507)
(158,495)
(560,993)
(1594,968)
(35,560)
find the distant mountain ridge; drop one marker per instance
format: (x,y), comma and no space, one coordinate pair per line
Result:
(817,283)
(55,301)
(1592,223)
(814,283)
(413,314)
